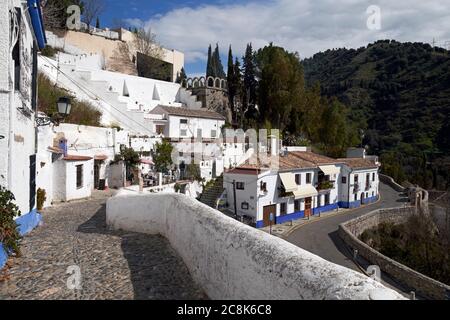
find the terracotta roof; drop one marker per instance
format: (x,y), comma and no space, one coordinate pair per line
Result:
(76,158)
(55,150)
(245,171)
(192,113)
(315,158)
(359,163)
(101,157)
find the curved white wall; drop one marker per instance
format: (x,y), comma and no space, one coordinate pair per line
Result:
(233,261)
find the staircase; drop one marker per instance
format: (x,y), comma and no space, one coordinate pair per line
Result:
(212,193)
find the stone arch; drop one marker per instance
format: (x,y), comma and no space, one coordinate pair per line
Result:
(202,82)
(210,81)
(195,83)
(189,83)
(223,84)
(217,83)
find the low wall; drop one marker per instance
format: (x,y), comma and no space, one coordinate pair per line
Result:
(391,182)
(233,261)
(350,232)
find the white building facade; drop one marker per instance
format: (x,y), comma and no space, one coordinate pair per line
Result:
(306,184)
(21,37)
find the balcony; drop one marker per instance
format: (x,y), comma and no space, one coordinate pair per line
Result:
(325,185)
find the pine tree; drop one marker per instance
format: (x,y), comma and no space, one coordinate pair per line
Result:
(97,23)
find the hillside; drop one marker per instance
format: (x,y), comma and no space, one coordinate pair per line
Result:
(399,93)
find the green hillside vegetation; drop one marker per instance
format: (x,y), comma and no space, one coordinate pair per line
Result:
(82,112)
(399,93)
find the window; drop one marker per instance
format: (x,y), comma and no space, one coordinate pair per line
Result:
(159,129)
(327,199)
(16,52)
(344,180)
(244,205)
(356,178)
(308,178)
(183,121)
(373,176)
(263,186)
(297,205)
(356,197)
(298,179)
(183,133)
(240,185)
(283,209)
(213,133)
(79,176)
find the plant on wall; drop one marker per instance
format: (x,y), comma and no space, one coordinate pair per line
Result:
(9,234)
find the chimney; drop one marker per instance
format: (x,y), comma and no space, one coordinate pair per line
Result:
(274,145)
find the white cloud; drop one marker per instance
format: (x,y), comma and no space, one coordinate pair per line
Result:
(306,26)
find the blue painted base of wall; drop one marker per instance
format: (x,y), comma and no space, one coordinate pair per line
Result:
(25,224)
(316,211)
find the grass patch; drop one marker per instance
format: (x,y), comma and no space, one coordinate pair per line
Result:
(83,113)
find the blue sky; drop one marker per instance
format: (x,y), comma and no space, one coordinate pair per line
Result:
(147,9)
(303,26)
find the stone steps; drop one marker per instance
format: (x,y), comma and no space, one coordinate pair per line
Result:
(213,193)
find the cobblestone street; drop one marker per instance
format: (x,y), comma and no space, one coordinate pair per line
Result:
(113,265)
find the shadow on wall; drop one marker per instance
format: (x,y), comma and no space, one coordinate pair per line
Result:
(156,270)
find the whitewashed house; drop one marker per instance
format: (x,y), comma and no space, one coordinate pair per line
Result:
(73,160)
(195,134)
(305,184)
(21,37)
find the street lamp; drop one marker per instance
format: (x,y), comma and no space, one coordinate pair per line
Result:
(64,107)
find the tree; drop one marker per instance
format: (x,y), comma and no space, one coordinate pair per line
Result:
(231,80)
(209,68)
(92,9)
(214,67)
(162,156)
(281,86)
(54,12)
(249,93)
(97,23)
(129,157)
(193,172)
(181,76)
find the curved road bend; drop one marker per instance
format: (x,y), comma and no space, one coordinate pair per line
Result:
(321,237)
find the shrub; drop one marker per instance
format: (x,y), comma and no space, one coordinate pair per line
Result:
(9,234)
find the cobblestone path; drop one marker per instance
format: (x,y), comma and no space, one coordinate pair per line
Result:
(113,265)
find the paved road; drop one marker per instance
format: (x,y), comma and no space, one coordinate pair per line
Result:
(113,265)
(321,237)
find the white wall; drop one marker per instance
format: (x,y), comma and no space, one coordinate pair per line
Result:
(232,261)
(65,182)
(174,127)
(16,126)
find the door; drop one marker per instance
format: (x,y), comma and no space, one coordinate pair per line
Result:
(32,182)
(362,198)
(308,207)
(266,214)
(96,175)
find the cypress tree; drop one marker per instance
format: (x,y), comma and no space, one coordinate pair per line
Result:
(250,83)
(231,79)
(217,64)
(209,67)
(97,23)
